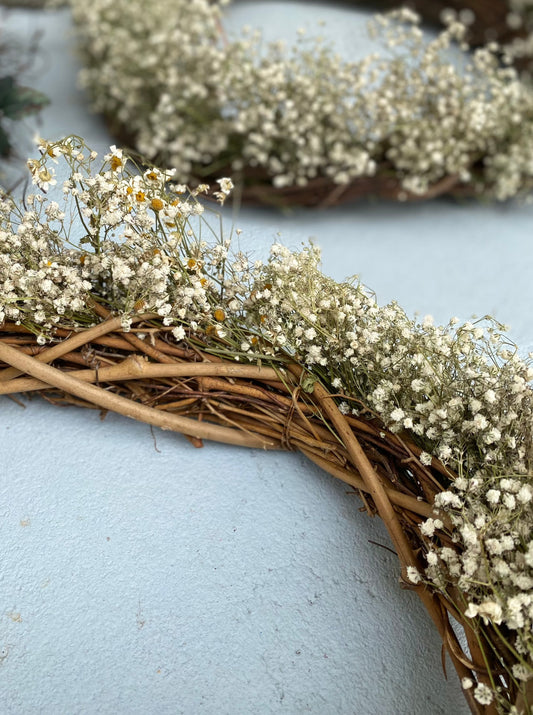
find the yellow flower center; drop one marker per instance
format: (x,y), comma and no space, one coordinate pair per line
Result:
(116,162)
(157,204)
(219,315)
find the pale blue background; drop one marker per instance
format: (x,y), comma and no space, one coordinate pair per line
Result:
(139,575)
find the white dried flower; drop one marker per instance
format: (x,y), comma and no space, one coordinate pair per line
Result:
(426,459)
(483,694)
(413,574)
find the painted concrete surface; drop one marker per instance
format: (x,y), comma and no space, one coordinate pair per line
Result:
(139,575)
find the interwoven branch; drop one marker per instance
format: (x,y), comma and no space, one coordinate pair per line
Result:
(203,397)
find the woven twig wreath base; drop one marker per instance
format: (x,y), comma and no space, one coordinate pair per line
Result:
(256,189)
(254,186)
(180,387)
(489,21)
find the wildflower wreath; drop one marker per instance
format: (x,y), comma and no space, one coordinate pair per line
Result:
(432,425)
(301,125)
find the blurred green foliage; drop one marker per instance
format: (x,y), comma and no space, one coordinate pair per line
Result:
(16,102)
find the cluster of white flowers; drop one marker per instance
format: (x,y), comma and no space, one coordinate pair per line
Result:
(37,283)
(520,20)
(459,391)
(459,388)
(490,561)
(165,78)
(139,251)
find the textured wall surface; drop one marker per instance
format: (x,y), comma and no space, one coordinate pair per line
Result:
(139,575)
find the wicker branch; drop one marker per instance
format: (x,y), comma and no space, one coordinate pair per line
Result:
(204,397)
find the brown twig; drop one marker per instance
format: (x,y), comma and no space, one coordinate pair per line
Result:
(123,406)
(256,406)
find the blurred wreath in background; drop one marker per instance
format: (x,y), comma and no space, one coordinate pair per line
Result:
(451,114)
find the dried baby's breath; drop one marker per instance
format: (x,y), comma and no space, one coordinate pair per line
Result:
(414,113)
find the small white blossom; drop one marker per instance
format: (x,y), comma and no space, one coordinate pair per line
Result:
(483,694)
(426,459)
(413,574)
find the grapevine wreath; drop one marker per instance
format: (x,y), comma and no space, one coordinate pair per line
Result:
(424,117)
(432,425)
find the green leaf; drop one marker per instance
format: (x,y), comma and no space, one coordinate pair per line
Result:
(5,146)
(17,102)
(307,383)
(7,85)
(29,101)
